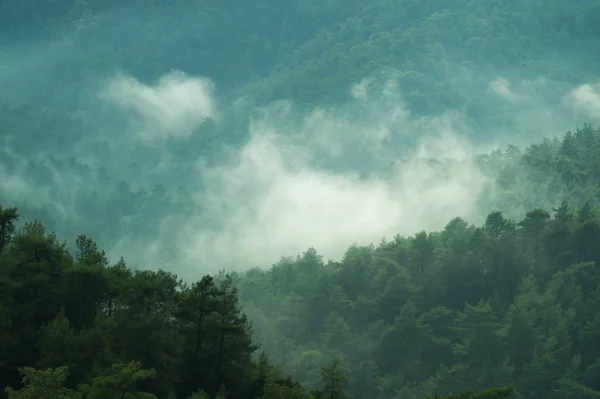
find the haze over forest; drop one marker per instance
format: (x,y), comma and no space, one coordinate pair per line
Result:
(318,142)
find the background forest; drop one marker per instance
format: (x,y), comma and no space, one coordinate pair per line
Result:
(246,159)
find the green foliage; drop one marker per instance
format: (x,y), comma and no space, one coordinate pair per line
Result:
(119,382)
(468,307)
(504,303)
(199,395)
(102,331)
(42,384)
(7,225)
(113,333)
(335,382)
(276,51)
(491,393)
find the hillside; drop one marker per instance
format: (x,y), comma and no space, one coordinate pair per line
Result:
(465,308)
(76,327)
(80,80)
(315,199)
(291,51)
(442,55)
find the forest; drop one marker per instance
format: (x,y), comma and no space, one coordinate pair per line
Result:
(80,327)
(168,172)
(504,304)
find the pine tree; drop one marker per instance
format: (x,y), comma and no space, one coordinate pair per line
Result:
(335,381)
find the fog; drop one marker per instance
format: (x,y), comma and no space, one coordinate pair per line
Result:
(173,107)
(587,99)
(266,179)
(281,193)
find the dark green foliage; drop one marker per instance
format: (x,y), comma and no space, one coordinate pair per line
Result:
(105,331)
(8,218)
(298,45)
(82,328)
(491,393)
(466,308)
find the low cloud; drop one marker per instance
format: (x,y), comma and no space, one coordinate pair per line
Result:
(296,182)
(16,187)
(278,197)
(502,87)
(284,190)
(587,99)
(172,107)
(272,203)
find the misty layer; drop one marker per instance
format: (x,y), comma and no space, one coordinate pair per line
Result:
(276,196)
(171,108)
(325,176)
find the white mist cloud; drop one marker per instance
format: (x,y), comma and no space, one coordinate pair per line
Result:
(275,196)
(587,98)
(16,187)
(501,87)
(273,200)
(172,107)
(521,111)
(272,203)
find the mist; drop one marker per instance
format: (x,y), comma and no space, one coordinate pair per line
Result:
(298,180)
(239,173)
(586,99)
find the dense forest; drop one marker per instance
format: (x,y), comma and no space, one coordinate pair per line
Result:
(299,200)
(79,327)
(289,51)
(506,303)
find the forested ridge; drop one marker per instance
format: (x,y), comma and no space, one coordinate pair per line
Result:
(286,49)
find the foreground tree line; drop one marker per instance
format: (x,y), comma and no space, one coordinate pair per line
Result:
(79,327)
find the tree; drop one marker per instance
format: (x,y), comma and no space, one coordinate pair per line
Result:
(234,345)
(119,382)
(8,217)
(43,384)
(491,393)
(534,224)
(335,381)
(88,253)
